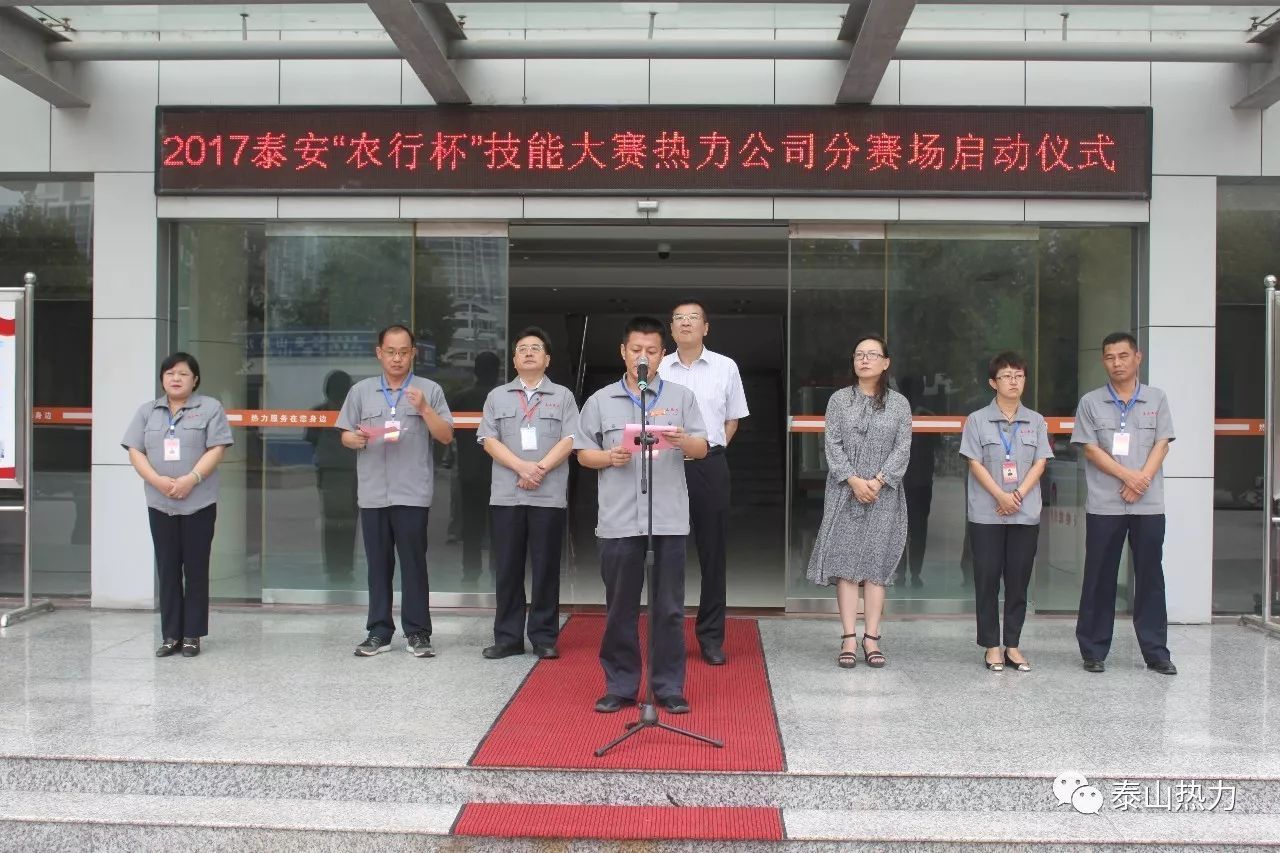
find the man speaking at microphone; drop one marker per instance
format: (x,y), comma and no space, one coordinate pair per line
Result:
(623,517)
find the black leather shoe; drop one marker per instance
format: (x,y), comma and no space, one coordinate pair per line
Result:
(676,704)
(713,655)
(1164,667)
(1094,665)
(190,647)
(610,702)
(167,648)
(495,651)
(546,652)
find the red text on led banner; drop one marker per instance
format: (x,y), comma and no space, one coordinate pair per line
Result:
(629,150)
(848,151)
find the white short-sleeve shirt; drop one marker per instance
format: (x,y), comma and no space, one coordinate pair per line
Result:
(714,380)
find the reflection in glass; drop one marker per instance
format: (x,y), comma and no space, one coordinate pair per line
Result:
(949,299)
(284,318)
(1248,233)
(837,293)
(329,289)
(46,228)
(460,317)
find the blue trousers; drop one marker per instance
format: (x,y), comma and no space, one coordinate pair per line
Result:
(1104,540)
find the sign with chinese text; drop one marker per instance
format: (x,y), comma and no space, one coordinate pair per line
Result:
(12,383)
(722,150)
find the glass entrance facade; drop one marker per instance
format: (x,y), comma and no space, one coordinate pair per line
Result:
(948,299)
(283,317)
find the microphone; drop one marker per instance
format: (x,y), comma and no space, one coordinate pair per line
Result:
(642,372)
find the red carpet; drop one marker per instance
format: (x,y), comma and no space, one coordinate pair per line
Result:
(624,823)
(550,722)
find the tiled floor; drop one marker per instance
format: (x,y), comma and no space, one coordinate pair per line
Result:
(284,686)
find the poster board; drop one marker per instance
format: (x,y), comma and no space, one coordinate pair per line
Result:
(13,381)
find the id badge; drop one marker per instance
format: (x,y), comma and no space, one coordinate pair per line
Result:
(1120,444)
(528,438)
(393,431)
(172,450)
(1009,471)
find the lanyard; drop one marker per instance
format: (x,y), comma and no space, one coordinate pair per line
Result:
(636,400)
(1124,409)
(1007,442)
(386,395)
(525,408)
(173,419)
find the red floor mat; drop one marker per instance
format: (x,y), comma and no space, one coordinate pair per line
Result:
(622,823)
(550,722)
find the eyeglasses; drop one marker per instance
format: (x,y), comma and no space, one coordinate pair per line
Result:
(867,356)
(398,353)
(524,348)
(1011,377)
(692,318)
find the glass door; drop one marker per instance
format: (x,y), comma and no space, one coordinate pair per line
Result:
(837,291)
(948,299)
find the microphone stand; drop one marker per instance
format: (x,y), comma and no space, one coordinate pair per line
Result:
(648,718)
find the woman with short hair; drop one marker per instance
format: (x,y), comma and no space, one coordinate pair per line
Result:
(1008,448)
(175,443)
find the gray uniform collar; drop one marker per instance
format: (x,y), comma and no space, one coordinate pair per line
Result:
(193,402)
(993,413)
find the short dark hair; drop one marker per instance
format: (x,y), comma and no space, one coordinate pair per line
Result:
(397,327)
(174,359)
(1008,358)
(532,332)
(697,302)
(1120,338)
(644,326)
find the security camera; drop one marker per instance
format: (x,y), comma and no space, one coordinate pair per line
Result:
(664,251)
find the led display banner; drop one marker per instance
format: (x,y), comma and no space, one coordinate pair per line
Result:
(722,150)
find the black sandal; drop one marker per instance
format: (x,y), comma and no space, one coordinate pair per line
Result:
(847,660)
(875,659)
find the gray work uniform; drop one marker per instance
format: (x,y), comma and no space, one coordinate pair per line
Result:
(622,527)
(198,426)
(393,473)
(553,413)
(1097,421)
(1028,437)
(394,483)
(1110,521)
(624,511)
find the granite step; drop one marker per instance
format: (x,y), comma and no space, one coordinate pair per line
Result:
(41,820)
(457,784)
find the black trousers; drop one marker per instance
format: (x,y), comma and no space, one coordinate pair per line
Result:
(1103,543)
(539,532)
(182,544)
(1002,552)
(622,568)
(389,531)
(708,482)
(919,504)
(338,535)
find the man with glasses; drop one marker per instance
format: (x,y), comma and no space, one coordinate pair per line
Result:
(390,420)
(1125,429)
(715,382)
(528,428)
